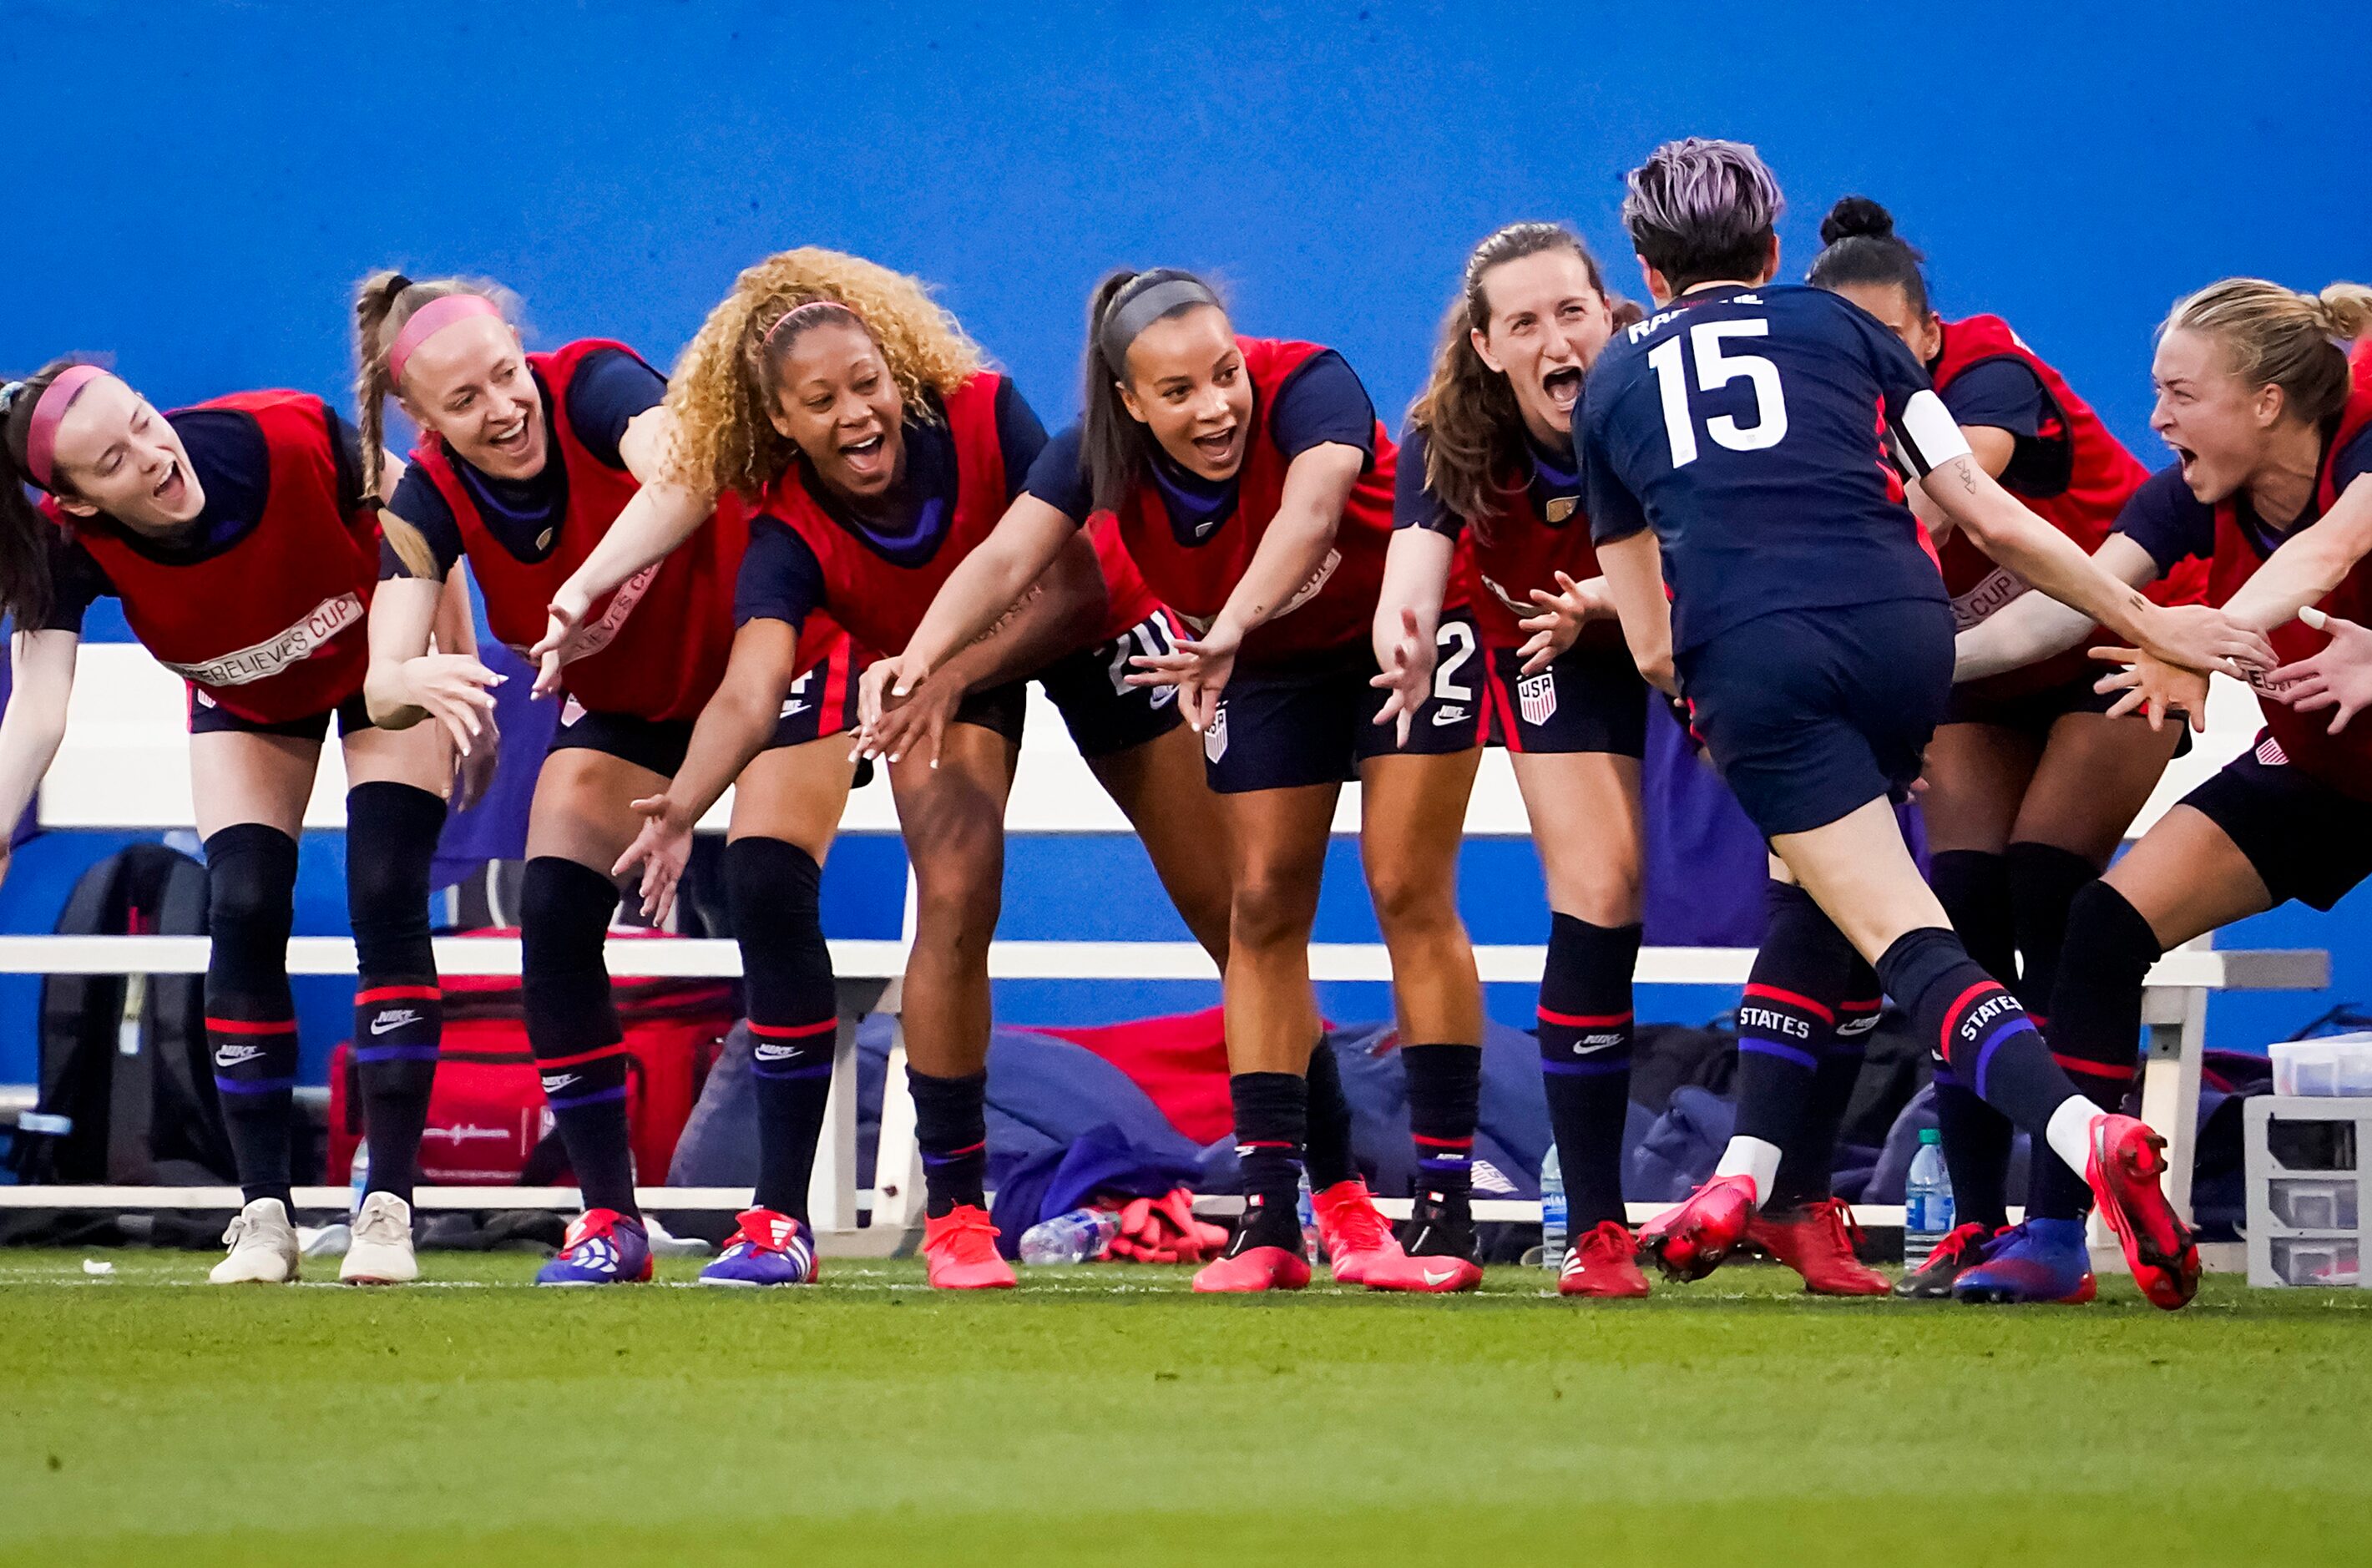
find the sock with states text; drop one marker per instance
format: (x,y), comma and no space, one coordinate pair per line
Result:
(1982,1033)
(1787,1017)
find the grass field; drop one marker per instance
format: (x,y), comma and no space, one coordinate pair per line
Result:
(1103,1415)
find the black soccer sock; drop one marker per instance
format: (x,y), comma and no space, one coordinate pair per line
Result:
(2043,882)
(250,1018)
(1271,1119)
(1787,1016)
(951,1128)
(1979,892)
(1975,891)
(392,832)
(793,1010)
(1585,1034)
(572,1024)
(1807,1162)
(1978,1142)
(2096,1024)
(1445,1087)
(1329,1152)
(1984,1035)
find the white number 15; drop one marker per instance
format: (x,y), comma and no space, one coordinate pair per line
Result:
(1715,368)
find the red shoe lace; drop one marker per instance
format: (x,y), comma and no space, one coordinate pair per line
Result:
(1835,1216)
(1607,1241)
(1358,1227)
(963,1233)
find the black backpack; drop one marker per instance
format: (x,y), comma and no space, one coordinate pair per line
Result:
(127,1090)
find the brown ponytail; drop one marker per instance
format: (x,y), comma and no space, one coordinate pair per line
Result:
(26,591)
(2274,336)
(1474,433)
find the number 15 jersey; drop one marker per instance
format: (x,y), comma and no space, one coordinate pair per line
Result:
(1752,429)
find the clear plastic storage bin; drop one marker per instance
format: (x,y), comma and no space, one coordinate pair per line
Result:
(2322,1260)
(2336,1064)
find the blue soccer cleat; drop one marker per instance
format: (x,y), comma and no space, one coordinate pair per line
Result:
(769,1249)
(2040,1260)
(603,1247)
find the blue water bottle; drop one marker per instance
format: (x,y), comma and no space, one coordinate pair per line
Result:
(1927,1200)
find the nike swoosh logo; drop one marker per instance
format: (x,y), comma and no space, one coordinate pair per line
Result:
(393,1021)
(1433,1278)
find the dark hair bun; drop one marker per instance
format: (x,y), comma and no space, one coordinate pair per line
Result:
(1857,218)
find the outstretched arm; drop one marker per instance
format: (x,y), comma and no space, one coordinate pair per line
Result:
(660,517)
(985,585)
(41,670)
(2035,626)
(1408,616)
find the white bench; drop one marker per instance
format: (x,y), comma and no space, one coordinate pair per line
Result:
(123,765)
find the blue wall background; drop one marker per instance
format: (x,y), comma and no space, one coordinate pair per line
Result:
(210,178)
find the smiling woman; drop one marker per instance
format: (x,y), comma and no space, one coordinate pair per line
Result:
(240,537)
(527,464)
(855,412)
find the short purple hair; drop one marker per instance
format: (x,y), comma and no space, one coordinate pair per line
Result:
(1699,210)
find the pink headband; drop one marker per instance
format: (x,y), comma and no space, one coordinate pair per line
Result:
(797,311)
(430,320)
(48,412)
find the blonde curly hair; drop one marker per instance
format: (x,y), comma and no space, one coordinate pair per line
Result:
(726,381)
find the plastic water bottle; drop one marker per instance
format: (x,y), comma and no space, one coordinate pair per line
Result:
(1927,1200)
(1079,1236)
(1305,1207)
(357,1179)
(1553,1211)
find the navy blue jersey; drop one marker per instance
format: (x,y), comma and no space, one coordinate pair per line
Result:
(782,580)
(1752,429)
(1551,475)
(1320,403)
(2164,518)
(233,465)
(610,389)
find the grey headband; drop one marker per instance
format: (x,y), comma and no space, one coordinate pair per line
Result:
(1135,312)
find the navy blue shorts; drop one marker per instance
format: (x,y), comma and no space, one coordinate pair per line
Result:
(210,718)
(822,702)
(2308,840)
(1810,714)
(1590,698)
(1314,724)
(1104,713)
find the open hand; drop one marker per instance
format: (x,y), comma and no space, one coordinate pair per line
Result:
(458,692)
(1199,668)
(662,849)
(2337,676)
(1407,675)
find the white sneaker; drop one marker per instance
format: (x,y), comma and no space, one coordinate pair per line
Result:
(381,1252)
(262,1246)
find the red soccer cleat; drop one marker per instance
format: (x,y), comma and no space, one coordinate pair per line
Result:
(1689,1242)
(1961,1249)
(1603,1263)
(960,1248)
(1424,1275)
(1817,1241)
(2127,1161)
(1253,1269)
(1355,1236)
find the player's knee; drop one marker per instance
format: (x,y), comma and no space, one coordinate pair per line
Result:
(1273,908)
(1408,902)
(564,910)
(2108,942)
(772,887)
(251,890)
